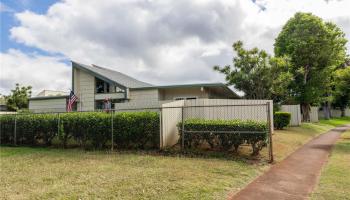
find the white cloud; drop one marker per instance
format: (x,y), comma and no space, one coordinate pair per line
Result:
(164,42)
(41,72)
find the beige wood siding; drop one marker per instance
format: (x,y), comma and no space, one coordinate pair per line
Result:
(84,88)
(171,94)
(144,95)
(47,105)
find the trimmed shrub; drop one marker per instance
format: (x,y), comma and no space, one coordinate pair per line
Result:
(281,119)
(137,129)
(7,127)
(130,130)
(225,134)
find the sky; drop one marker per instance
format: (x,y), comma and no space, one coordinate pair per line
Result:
(161,42)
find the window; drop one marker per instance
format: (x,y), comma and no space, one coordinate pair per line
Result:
(119,90)
(184,98)
(102,104)
(101,86)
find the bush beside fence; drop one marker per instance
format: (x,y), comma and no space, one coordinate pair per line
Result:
(281,119)
(89,129)
(224,134)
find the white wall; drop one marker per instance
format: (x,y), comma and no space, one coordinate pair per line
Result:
(295,112)
(140,104)
(48,105)
(84,88)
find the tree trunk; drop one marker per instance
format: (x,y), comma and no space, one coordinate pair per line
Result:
(342,112)
(305,110)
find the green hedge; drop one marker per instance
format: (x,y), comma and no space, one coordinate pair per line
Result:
(281,119)
(130,129)
(219,134)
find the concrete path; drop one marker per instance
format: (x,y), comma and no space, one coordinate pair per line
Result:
(295,176)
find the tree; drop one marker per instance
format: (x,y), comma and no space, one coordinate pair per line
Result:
(315,48)
(257,74)
(281,77)
(342,89)
(250,73)
(18,99)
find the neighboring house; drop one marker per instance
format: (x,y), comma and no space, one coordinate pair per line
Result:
(49,101)
(93,84)
(47,93)
(3,106)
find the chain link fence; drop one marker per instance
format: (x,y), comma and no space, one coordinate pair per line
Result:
(175,124)
(220,126)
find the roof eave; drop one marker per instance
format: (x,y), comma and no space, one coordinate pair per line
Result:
(49,97)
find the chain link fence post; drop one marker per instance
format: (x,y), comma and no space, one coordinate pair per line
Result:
(160,129)
(112,130)
(58,124)
(182,129)
(15,132)
(268,107)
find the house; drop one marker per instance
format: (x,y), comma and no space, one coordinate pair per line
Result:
(49,101)
(3,106)
(93,84)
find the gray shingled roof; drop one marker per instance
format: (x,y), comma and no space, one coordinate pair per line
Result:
(113,76)
(129,82)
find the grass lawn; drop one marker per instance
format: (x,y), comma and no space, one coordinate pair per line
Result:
(37,173)
(45,173)
(336,121)
(335,178)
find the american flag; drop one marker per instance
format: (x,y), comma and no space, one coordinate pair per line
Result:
(71,100)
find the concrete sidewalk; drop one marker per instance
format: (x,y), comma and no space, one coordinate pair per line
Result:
(296,176)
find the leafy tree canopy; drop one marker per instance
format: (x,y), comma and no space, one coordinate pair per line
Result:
(256,74)
(18,99)
(342,88)
(315,48)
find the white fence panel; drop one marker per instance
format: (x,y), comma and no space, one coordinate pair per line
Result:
(347,112)
(295,114)
(314,114)
(213,109)
(334,113)
(171,115)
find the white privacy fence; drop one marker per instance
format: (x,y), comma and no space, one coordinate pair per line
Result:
(171,115)
(296,115)
(226,109)
(314,114)
(334,113)
(295,112)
